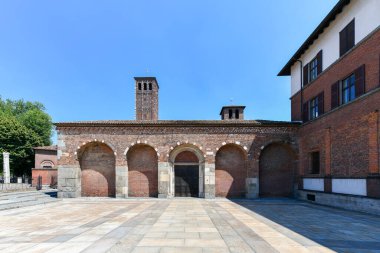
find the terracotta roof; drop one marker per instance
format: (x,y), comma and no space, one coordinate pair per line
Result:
(285,71)
(178,123)
(54,147)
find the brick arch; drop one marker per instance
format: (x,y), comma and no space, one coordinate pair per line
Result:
(142,163)
(287,142)
(230,171)
(97,162)
(186,156)
(81,147)
(47,163)
(141,143)
(277,167)
(180,148)
(244,149)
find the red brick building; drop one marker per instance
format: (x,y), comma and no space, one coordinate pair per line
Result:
(335,78)
(148,157)
(329,153)
(45,165)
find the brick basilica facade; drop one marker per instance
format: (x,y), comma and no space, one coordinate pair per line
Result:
(155,158)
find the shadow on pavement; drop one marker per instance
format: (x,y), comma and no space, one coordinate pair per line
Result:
(339,230)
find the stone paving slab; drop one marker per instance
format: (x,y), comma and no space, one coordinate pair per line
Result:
(186,225)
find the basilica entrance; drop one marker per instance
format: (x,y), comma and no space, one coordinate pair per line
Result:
(186,180)
(187,173)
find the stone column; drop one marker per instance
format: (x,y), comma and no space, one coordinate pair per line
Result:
(252,187)
(6,171)
(209,179)
(121,182)
(69,181)
(164,177)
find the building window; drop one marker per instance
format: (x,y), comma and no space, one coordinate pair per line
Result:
(313,108)
(313,69)
(315,163)
(347,38)
(139,86)
(230,114)
(237,114)
(348,89)
(313,112)
(144,86)
(150,86)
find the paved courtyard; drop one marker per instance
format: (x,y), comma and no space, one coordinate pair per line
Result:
(186,225)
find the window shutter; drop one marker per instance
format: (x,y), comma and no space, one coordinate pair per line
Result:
(360,81)
(319,60)
(305,113)
(321,106)
(350,35)
(335,95)
(343,41)
(306,74)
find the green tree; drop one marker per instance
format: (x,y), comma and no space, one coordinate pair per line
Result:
(39,122)
(19,141)
(30,114)
(23,125)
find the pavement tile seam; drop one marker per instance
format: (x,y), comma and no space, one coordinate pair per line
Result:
(188,225)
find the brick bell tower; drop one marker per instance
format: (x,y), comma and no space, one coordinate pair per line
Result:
(146,90)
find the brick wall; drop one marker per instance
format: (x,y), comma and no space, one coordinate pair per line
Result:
(49,176)
(142,171)
(344,139)
(44,155)
(230,171)
(98,171)
(277,171)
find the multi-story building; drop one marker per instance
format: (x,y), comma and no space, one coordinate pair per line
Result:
(335,92)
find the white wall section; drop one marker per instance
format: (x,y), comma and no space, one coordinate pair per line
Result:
(350,186)
(367,19)
(314,184)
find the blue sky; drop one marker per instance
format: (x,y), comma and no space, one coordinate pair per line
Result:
(79,57)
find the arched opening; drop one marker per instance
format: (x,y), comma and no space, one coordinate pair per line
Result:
(142,171)
(276,170)
(230,171)
(47,164)
(187,171)
(97,163)
(186,174)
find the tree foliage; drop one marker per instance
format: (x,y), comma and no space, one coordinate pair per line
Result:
(23,125)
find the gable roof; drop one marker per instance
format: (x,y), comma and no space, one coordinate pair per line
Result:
(285,71)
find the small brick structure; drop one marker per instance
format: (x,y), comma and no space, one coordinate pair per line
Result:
(45,165)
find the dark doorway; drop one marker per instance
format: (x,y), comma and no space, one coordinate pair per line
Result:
(186,180)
